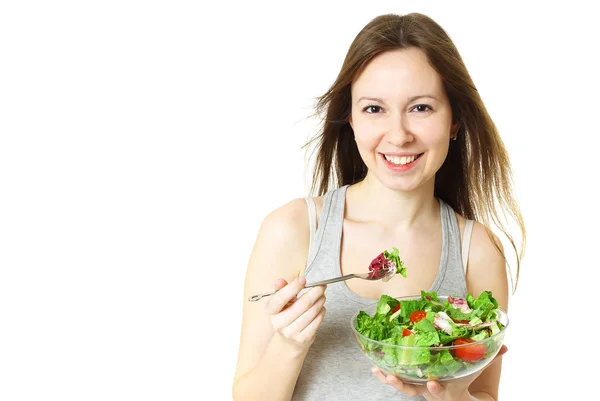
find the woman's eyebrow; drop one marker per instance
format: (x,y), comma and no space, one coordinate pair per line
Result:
(410,99)
(373,99)
(413,98)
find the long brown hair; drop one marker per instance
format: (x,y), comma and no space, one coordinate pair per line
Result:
(476,176)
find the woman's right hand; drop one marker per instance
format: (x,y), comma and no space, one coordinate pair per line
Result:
(296,319)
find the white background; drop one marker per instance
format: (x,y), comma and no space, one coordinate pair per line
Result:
(142,143)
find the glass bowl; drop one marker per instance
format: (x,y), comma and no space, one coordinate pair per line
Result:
(417,365)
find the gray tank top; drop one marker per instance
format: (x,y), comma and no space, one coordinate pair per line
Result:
(335,368)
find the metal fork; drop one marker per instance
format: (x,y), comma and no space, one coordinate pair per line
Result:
(364,276)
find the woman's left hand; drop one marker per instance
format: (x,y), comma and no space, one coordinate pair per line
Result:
(434,391)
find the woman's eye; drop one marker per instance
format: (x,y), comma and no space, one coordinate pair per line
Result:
(421,108)
(372,109)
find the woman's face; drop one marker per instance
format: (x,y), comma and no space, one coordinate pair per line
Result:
(402,119)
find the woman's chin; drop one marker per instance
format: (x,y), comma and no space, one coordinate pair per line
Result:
(403,184)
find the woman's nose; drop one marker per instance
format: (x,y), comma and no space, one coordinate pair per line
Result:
(399,133)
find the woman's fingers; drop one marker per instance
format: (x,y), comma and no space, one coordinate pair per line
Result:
(397,384)
(285,294)
(294,317)
(307,300)
(380,376)
(308,334)
(300,306)
(438,389)
(405,388)
(279,284)
(307,317)
(434,387)
(502,351)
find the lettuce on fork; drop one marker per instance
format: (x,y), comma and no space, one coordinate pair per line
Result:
(387,262)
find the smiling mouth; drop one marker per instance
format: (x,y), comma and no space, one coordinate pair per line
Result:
(401,160)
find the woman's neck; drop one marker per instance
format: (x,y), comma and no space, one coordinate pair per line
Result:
(370,201)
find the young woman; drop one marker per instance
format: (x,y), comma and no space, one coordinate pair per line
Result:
(418,165)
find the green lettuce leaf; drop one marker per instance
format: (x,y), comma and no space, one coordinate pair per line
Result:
(395,257)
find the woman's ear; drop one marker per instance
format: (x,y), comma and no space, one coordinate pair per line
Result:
(454,131)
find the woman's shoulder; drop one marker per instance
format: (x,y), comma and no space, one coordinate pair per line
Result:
(288,225)
(286,222)
(283,238)
(487,264)
(483,240)
(281,245)
(292,216)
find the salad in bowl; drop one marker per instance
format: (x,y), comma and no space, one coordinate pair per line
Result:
(431,337)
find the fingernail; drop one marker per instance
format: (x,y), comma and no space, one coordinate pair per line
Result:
(302,280)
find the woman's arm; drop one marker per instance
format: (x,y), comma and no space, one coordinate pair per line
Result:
(487,272)
(276,334)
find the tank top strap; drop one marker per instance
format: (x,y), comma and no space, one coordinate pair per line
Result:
(451,277)
(329,230)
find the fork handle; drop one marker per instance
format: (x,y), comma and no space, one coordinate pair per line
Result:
(256,297)
(331,280)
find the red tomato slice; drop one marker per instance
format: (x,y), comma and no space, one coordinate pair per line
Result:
(417,316)
(472,353)
(396,309)
(406,332)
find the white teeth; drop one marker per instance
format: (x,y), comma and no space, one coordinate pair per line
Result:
(400,159)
